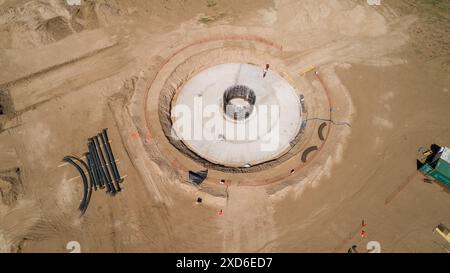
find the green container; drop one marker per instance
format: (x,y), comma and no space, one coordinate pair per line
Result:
(442,170)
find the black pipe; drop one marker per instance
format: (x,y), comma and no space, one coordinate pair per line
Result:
(92,170)
(101,174)
(94,165)
(307,151)
(91,185)
(320,131)
(97,165)
(69,160)
(85,201)
(104,166)
(113,160)
(108,157)
(88,199)
(89,193)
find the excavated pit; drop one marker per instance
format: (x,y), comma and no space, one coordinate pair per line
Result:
(166,89)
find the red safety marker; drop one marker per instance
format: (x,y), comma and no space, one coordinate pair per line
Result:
(363,233)
(134,135)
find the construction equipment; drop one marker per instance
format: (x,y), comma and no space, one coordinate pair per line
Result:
(435,163)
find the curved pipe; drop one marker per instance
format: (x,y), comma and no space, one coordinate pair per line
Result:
(91,185)
(320,131)
(84,205)
(70,160)
(307,151)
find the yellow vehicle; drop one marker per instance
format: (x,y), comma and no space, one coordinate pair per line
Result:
(443,231)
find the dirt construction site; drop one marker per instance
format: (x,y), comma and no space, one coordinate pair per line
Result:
(359,88)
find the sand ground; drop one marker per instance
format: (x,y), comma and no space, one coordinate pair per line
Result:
(69,72)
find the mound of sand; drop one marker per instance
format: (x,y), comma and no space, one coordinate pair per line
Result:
(38,23)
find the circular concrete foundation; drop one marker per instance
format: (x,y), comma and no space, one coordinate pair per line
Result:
(171,93)
(230,115)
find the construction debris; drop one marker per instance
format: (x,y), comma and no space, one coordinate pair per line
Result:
(102,172)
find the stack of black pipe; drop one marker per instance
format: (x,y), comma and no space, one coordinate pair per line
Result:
(100,166)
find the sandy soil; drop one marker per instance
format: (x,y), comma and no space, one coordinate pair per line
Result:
(69,72)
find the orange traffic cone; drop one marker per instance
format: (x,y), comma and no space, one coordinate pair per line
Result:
(363,233)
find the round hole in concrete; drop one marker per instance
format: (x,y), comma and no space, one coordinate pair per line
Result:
(238,102)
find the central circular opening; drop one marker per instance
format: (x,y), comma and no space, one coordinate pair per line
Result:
(238,102)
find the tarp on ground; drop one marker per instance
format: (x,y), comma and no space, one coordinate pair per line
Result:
(197,177)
